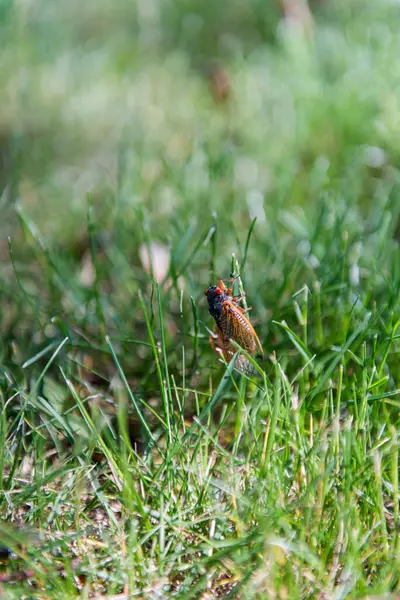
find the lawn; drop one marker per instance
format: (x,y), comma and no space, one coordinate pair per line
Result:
(147,150)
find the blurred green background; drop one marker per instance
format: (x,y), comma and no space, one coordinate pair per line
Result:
(161,129)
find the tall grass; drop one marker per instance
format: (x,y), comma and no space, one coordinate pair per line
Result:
(132,462)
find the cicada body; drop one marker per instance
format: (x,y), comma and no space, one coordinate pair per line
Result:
(231,324)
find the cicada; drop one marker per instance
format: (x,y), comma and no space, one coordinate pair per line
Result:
(231,323)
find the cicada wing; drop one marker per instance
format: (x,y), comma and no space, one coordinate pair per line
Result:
(258,343)
(236,326)
(244,366)
(251,329)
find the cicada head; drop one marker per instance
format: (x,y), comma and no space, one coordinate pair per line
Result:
(215,298)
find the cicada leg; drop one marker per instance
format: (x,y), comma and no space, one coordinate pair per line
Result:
(227,290)
(244,310)
(220,344)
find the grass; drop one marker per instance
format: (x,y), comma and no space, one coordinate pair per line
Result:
(132,463)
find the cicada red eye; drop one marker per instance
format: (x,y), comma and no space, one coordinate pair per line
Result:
(218,291)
